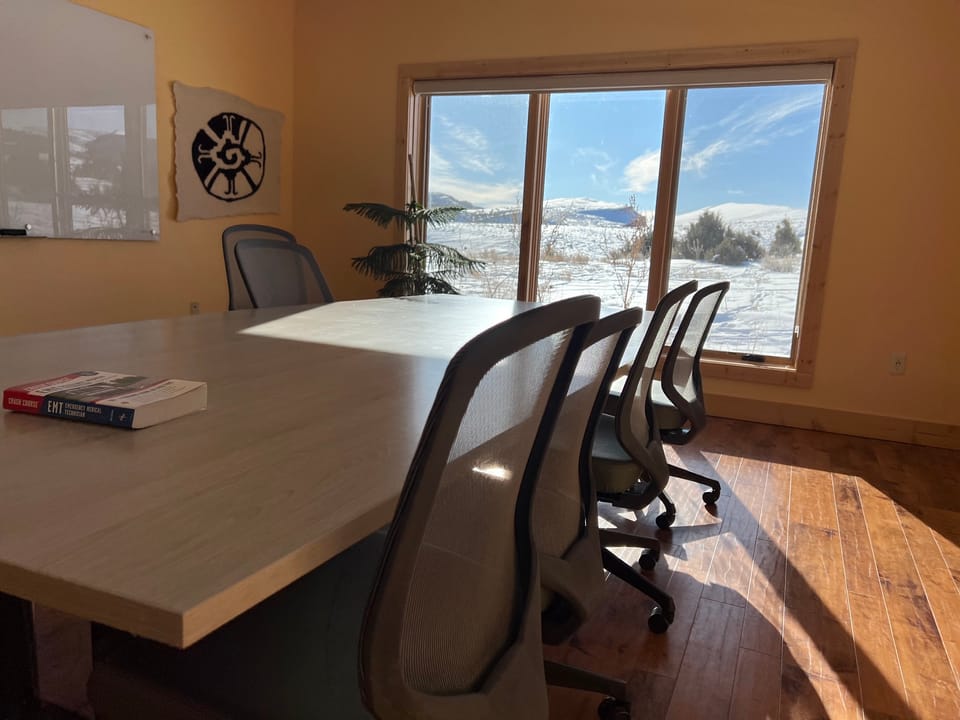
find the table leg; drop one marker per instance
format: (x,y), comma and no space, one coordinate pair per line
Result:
(64,659)
(16,676)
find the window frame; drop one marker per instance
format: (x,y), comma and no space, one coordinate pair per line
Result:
(411,169)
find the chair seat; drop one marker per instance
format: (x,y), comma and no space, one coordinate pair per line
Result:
(668,416)
(614,471)
(295,655)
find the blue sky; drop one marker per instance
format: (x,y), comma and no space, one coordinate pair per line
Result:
(746,144)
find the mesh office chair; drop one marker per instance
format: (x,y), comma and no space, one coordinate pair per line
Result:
(278,273)
(565,526)
(629,467)
(239,298)
(678,396)
(451,629)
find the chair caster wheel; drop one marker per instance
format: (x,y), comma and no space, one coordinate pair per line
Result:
(710,497)
(658,622)
(665,520)
(613,709)
(648,561)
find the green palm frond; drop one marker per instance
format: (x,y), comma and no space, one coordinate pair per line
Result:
(413,218)
(435,217)
(383,261)
(379,213)
(413,267)
(445,259)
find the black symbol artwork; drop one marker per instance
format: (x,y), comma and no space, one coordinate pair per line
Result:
(229,155)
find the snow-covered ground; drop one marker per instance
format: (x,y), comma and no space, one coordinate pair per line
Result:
(757,315)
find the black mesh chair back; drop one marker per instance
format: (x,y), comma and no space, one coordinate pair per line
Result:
(680,378)
(636,426)
(239,298)
(278,274)
(635,423)
(565,507)
(453,625)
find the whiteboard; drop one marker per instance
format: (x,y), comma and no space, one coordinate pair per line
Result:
(78,123)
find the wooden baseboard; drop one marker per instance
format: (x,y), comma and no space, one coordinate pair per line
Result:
(916,432)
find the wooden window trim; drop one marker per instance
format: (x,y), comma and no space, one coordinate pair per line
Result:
(531,217)
(671,146)
(798,371)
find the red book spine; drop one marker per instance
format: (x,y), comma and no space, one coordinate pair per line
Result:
(21,401)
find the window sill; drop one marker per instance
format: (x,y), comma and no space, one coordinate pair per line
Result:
(766,373)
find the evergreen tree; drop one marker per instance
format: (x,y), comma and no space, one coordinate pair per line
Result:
(415,266)
(785,240)
(702,238)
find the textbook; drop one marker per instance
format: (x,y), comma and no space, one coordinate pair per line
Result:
(128,401)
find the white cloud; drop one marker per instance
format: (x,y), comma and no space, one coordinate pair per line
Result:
(469,137)
(699,160)
(444,179)
(745,128)
(642,172)
(438,163)
(599,159)
(468,147)
(481,194)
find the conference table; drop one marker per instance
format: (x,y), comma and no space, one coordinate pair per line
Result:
(171,531)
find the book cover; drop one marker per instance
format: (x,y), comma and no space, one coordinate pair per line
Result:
(129,401)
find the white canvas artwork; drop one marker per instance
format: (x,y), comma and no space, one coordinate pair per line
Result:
(227,154)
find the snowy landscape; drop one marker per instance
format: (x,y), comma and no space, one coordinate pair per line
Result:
(580,240)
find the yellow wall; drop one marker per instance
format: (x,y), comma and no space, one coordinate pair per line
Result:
(895,260)
(243,47)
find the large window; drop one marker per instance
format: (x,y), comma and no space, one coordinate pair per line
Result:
(617,177)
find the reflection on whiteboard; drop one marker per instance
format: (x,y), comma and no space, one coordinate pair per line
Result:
(78,123)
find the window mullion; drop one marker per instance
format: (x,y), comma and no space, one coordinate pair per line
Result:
(60,165)
(531,218)
(670,147)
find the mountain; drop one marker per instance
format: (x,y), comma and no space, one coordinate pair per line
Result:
(444,200)
(747,217)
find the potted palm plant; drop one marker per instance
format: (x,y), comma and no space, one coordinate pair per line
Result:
(414,266)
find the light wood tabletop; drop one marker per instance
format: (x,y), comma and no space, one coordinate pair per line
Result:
(171,531)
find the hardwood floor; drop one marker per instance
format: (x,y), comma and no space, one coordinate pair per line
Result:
(824,586)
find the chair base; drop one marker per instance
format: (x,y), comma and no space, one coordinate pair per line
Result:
(662,616)
(638,501)
(615,706)
(710,497)
(567,676)
(615,538)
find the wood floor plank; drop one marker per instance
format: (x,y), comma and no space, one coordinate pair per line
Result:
(945,527)
(819,644)
(775,510)
(732,565)
(815,576)
(858,562)
(881,680)
(811,499)
(763,616)
(756,687)
(705,683)
(938,584)
(929,680)
(804,697)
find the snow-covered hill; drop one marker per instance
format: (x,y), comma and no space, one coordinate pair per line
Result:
(581,239)
(747,217)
